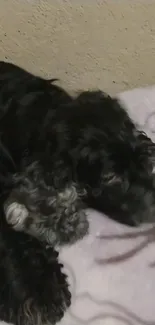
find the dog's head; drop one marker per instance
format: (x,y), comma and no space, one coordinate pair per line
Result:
(125,173)
(116,159)
(129,184)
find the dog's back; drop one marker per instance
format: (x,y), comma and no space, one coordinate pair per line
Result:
(25,103)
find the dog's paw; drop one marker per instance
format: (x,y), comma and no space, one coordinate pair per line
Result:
(16,214)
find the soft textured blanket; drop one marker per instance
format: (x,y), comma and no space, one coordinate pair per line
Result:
(112,270)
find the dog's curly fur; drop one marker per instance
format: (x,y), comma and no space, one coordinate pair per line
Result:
(64,153)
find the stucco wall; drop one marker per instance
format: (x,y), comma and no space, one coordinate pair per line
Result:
(107,44)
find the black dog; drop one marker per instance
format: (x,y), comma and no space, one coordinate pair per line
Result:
(64,153)
(70,151)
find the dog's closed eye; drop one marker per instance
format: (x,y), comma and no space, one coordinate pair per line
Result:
(111,179)
(116,181)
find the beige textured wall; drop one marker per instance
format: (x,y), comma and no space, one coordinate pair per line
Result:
(107,44)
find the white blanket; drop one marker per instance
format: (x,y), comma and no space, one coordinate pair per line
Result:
(113,278)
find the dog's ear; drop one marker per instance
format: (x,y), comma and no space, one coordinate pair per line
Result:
(112,179)
(109,183)
(115,182)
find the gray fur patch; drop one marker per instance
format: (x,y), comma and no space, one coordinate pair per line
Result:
(66,223)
